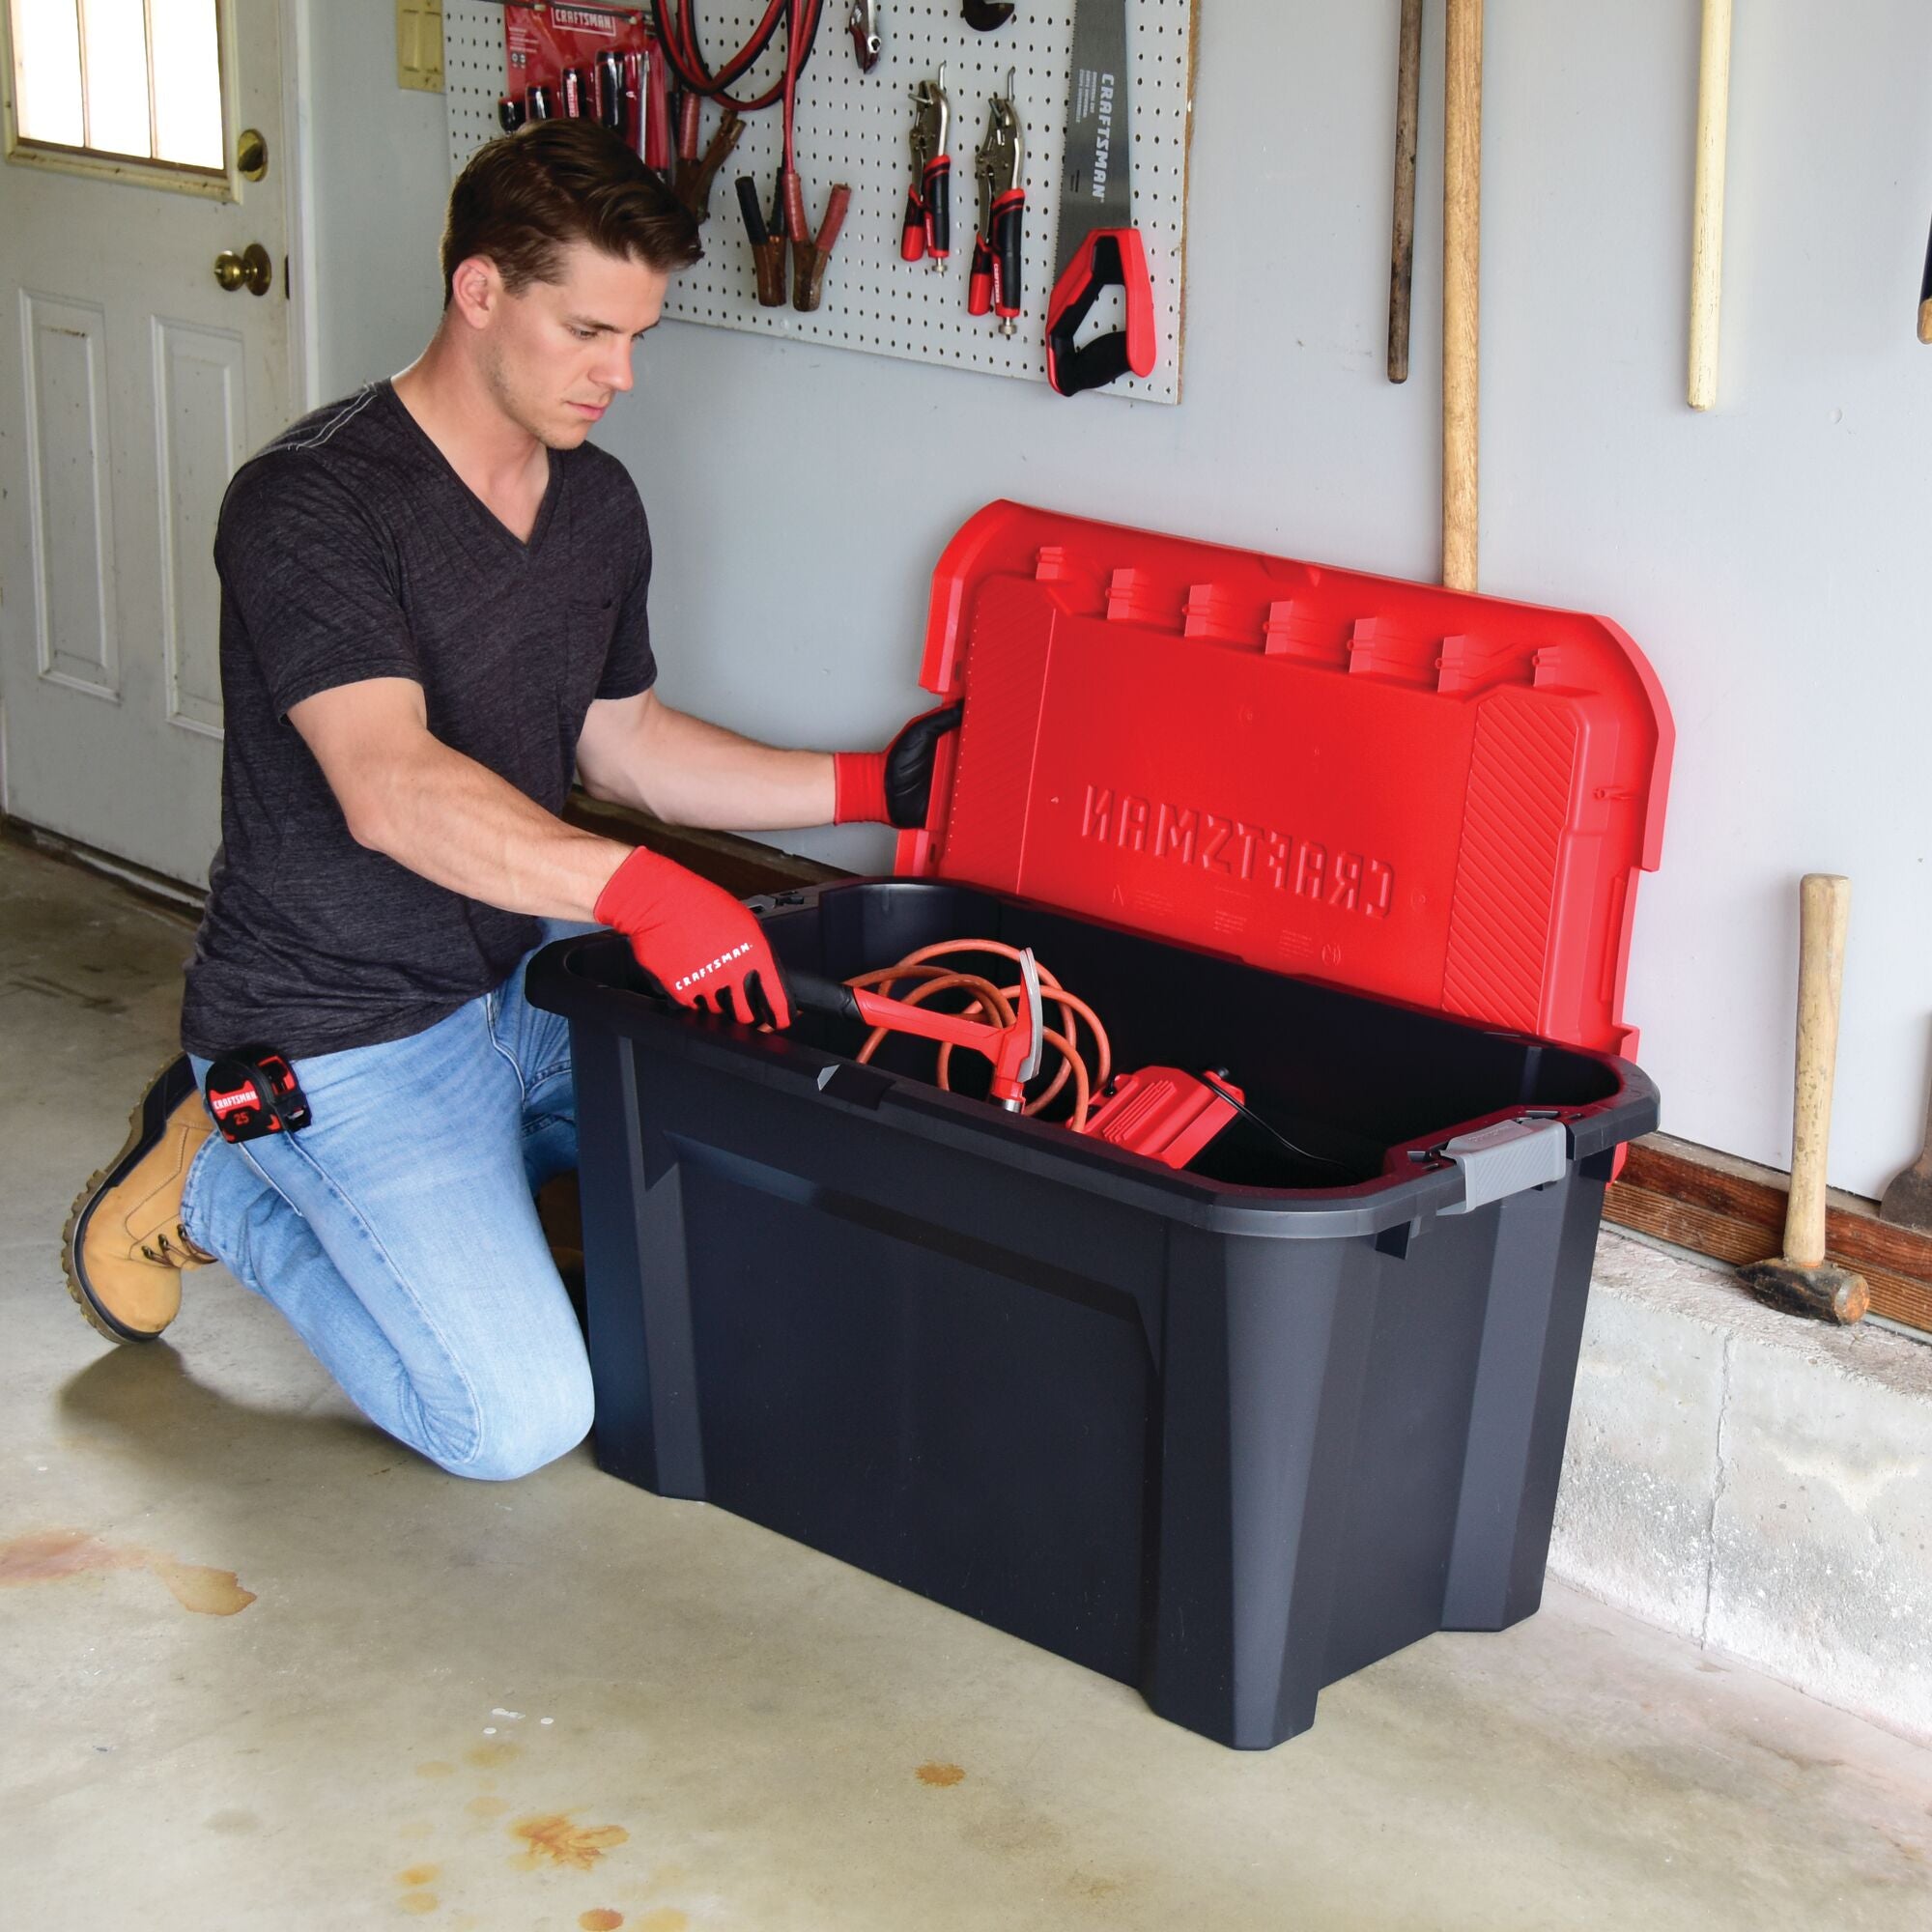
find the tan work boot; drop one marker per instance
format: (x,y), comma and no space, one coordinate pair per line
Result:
(124,1247)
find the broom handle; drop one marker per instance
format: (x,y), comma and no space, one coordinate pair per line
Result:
(1461,247)
(1825,908)
(1402,231)
(1707,221)
(1925,298)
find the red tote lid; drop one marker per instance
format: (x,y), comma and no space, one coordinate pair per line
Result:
(1434,797)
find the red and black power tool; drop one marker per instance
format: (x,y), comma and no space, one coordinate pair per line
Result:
(253,1091)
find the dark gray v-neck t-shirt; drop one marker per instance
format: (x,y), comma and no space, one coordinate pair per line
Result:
(348,549)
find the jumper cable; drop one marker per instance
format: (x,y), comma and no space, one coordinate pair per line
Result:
(679,33)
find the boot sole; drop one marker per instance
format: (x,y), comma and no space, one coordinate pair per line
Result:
(166,1093)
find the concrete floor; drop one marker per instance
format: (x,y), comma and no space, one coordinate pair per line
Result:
(261,1665)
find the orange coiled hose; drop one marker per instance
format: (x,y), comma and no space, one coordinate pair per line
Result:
(995,1005)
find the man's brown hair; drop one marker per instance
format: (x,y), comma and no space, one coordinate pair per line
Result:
(522,199)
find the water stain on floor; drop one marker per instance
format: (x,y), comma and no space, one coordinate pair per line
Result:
(553,1840)
(490,1757)
(939,1774)
(418,1876)
(601,1920)
(48,1555)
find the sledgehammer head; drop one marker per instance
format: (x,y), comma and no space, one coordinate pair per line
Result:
(1831,1293)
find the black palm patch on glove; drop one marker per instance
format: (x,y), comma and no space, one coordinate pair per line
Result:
(909,764)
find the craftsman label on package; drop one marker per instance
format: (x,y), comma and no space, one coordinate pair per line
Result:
(541,40)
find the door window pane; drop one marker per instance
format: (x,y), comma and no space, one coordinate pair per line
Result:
(114,70)
(47,73)
(140,78)
(188,82)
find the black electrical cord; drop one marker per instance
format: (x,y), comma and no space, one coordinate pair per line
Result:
(1221,1075)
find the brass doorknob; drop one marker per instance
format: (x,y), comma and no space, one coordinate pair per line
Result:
(251,269)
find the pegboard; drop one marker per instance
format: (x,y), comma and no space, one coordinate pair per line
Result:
(855,128)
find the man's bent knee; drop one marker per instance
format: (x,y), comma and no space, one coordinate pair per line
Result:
(518,1438)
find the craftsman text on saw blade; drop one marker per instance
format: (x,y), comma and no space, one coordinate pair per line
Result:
(1094,93)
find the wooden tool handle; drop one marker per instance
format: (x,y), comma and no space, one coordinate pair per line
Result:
(1824,907)
(1925,298)
(1401,230)
(1462,250)
(1707,220)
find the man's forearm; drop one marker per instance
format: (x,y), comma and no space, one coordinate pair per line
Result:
(688,772)
(454,822)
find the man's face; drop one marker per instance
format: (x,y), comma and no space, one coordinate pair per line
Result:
(556,354)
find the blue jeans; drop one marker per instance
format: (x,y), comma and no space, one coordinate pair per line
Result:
(398,1233)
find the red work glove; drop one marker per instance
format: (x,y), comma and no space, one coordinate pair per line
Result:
(694,939)
(892,787)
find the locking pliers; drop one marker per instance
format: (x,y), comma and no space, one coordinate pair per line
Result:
(927,231)
(999,163)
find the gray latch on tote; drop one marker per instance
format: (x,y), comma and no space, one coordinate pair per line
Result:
(1507,1159)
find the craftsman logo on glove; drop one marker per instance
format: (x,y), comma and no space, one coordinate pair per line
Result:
(705,971)
(672,918)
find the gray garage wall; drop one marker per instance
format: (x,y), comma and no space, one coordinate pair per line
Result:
(1773,558)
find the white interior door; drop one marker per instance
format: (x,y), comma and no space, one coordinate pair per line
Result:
(132,384)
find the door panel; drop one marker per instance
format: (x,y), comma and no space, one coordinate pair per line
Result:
(69,507)
(201,431)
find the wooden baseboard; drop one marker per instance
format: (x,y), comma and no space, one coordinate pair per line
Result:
(1733,1210)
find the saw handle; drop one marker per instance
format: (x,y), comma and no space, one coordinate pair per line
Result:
(1108,258)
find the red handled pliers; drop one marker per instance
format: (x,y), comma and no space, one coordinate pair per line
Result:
(927,232)
(1000,166)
